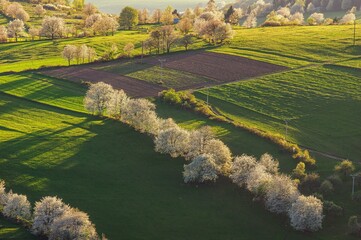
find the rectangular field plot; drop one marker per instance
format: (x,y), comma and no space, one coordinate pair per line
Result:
(131,86)
(121,67)
(221,67)
(171,78)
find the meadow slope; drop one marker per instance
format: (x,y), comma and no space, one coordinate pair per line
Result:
(51,148)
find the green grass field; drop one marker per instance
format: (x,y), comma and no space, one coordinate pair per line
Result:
(287,46)
(294,46)
(170,78)
(165,77)
(47,150)
(321,104)
(50,146)
(32,55)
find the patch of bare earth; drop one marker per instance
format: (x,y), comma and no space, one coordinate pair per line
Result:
(221,67)
(131,86)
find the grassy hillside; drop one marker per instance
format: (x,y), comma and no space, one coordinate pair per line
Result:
(32,55)
(294,46)
(287,46)
(322,106)
(48,150)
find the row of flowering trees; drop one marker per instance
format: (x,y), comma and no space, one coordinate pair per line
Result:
(208,157)
(50,218)
(284,16)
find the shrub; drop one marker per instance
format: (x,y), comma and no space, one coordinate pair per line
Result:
(299,171)
(326,187)
(354,226)
(331,209)
(306,214)
(344,168)
(335,180)
(310,183)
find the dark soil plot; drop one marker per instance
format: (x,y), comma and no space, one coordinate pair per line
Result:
(221,67)
(131,86)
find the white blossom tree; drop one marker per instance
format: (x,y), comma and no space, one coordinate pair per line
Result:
(241,168)
(316,19)
(271,165)
(185,25)
(306,214)
(69,53)
(17,206)
(22,15)
(97,98)
(198,139)
(140,114)
(165,124)
(89,9)
(52,27)
(281,194)
(173,141)
(46,211)
(3,34)
(39,10)
(34,32)
(259,180)
(117,103)
(74,224)
(3,194)
(15,28)
(221,154)
(202,169)
(348,18)
(251,21)
(128,49)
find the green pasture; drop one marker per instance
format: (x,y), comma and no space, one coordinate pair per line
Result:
(321,105)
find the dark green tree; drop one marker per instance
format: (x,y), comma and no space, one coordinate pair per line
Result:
(128,18)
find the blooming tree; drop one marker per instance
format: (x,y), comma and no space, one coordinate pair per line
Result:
(46,211)
(16,206)
(202,169)
(306,214)
(98,97)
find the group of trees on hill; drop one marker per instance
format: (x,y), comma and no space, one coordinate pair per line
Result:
(285,16)
(315,5)
(50,218)
(51,26)
(208,157)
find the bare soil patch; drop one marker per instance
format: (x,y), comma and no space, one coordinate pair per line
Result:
(133,87)
(221,67)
